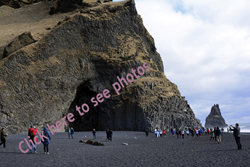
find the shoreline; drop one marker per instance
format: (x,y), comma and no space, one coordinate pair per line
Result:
(140,151)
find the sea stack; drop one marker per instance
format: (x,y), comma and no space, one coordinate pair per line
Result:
(80,57)
(215,118)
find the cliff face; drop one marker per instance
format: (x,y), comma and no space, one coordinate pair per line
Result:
(81,57)
(215,118)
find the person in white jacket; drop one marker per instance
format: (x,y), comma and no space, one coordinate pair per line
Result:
(197,133)
(182,133)
(156,129)
(187,132)
(158,134)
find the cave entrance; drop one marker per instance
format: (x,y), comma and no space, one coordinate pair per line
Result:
(90,120)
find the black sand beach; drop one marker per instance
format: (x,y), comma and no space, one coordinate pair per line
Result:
(141,151)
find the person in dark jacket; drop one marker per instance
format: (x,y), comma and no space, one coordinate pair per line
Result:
(218,135)
(177,133)
(110,133)
(192,132)
(146,132)
(72,133)
(107,134)
(3,138)
(94,134)
(236,133)
(46,141)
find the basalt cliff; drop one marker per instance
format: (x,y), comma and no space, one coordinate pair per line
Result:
(215,118)
(55,59)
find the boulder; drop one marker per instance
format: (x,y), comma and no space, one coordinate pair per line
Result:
(17,43)
(215,118)
(62,6)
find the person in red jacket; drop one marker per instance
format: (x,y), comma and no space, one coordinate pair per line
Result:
(32,134)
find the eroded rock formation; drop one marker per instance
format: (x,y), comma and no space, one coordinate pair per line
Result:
(17,3)
(215,118)
(17,43)
(79,58)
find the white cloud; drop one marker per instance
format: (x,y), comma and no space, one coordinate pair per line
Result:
(205,47)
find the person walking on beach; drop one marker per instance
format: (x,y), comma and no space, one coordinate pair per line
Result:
(187,132)
(215,139)
(46,141)
(94,134)
(236,134)
(164,132)
(208,131)
(182,133)
(107,131)
(218,135)
(156,129)
(69,132)
(32,134)
(157,133)
(110,133)
(197,133)
(160,133)
(172,131)
(146,132)
(177,133)
(3,138)
(211,134)
(192,132)
(72,132)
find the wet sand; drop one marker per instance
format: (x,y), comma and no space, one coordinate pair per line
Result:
(140,151)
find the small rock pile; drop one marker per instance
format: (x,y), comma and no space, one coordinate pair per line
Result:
(95,143)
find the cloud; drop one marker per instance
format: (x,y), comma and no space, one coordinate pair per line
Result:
(205,48)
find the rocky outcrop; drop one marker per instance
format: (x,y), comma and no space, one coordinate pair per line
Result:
(56,5)
(215,118)
(17,3)
(80,58)
(17,43)
(70,5)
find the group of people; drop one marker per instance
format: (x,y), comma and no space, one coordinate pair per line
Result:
(46,140)
(181,133)
(158,133)
(109,134)
(32,133)
(71,132)
(215,133)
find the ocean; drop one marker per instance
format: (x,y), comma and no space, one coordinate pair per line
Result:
(244,127)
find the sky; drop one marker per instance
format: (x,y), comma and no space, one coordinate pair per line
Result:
(205,48)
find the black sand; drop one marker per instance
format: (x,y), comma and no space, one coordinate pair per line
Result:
(141,151)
